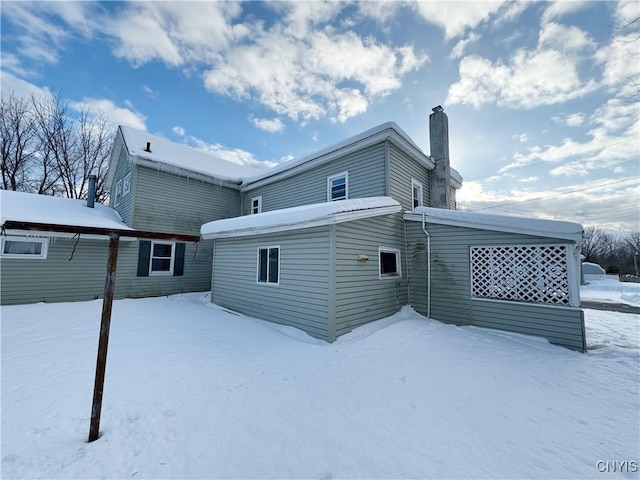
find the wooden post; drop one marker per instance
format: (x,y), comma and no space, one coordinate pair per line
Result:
(101,363)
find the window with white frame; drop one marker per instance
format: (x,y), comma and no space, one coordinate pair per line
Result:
(416,193)
(269,265)
(126,184)
(389,261)
(256,205)
(24,247)
(338,187)
(162,258)
(118,194)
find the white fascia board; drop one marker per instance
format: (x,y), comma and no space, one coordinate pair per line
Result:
(456,179)
(118,144)
(183,172)
(319,222)
(44,234)
(391,133)
(417,217)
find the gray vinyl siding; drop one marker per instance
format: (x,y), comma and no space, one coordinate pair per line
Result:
(302,297)
(453,205)
(560,325)
(125,206)
(401,170)
(165,202)
(360,295)
(56,279)
(367,173)
(451,284)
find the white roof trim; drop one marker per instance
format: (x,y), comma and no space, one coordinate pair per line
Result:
(74,236)
(306,216)
(386,131)
(501,223)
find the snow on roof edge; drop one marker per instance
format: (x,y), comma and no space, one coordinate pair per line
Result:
(525,225)
(304,216)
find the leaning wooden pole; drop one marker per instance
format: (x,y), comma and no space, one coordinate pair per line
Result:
(105,324)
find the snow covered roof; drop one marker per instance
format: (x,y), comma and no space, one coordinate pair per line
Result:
(502,223)
(181,159)
(29,207)
(386,131)
(305,216)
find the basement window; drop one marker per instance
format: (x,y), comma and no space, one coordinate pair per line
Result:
(24,247)
(338,187)
(389,261)
(269,265)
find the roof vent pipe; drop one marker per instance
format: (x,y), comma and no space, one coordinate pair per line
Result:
(148,147)
(91,196)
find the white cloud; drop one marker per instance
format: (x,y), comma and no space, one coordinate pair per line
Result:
(115,114)
(456,17)
(273,125)
(178,130)
(544,76)
(575,120)
(19,87)
(458,49)
(149,91)
(559,9)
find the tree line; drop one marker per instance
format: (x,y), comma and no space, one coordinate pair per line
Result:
(614,253)
(49,150)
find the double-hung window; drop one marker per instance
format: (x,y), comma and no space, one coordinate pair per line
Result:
(416,193)
(338,187)
(269,265)
(118,194)
(24,247)
(126,185)
(389,261)
(162,258)
(256,205)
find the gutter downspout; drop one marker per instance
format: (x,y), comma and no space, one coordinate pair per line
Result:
(424,229)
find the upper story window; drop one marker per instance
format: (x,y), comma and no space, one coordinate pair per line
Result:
(24,247)
(338,187)
(118,194)
(256,205)
(269,265)
(389,261)
(416,193)
(126,184)
(162,258)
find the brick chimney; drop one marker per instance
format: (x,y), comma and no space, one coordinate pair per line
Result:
(440,176)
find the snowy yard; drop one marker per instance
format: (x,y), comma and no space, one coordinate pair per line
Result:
(193,391)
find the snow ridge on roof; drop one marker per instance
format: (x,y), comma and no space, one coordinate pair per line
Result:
(525,225)
(183,157)
(304,216)
(30,207)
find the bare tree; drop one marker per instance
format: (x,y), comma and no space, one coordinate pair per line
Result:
(18,130)
(95,135)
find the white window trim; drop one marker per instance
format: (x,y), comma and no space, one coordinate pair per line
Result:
(126,186)
(346,186)
(259,199)
(162,273)
(43,253)
(116,198)
(415,183)
(267,247)
(395,251)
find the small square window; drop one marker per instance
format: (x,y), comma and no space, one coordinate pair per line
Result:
(269,265)
(162,258)
(338,187)
(416,193)
(126,185)
(389,261)
(256,205)
(24,247)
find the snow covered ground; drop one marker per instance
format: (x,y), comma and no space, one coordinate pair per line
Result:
(193,391)
(611,290)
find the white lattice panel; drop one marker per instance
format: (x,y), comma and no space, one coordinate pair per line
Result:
(524,273)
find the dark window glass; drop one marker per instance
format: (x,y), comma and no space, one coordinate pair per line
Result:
(273,265)
(262,267)
(388,263)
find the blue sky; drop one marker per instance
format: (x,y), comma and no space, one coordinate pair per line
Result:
(538,94)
